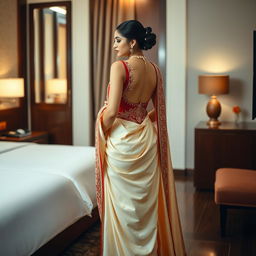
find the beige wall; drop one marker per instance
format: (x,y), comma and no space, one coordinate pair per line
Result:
(151,14)
(220,37)
(82,121)
(8,43)
(176,79)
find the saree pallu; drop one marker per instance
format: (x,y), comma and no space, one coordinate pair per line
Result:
(135,187)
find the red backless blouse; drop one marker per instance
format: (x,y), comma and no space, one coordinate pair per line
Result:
(135,112)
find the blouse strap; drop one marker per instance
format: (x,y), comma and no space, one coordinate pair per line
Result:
(126,72)
(154,65)
(156,70)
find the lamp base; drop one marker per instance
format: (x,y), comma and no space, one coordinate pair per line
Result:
(213,110)
(7,103)
(213,123)
(59,99)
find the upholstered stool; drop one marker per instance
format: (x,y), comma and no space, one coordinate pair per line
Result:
(234,188)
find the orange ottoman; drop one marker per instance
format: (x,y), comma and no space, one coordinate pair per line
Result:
(234,188)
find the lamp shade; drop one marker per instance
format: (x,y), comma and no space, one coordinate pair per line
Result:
(213,84)
(56,86)
(11,87)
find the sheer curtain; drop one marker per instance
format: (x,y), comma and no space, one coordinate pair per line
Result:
(105,16)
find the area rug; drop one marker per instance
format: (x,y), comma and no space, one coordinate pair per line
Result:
(88,244)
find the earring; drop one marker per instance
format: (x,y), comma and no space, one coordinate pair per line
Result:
(131,50)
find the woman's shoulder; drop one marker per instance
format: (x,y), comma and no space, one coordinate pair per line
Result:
(117,68)
(117,64)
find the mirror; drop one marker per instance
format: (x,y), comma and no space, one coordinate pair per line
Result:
(49,54)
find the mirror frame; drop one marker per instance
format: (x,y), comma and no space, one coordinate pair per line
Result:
(33,6)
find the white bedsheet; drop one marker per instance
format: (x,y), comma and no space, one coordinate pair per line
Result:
(43,190)
(34,208)
(74,162)
(8,145)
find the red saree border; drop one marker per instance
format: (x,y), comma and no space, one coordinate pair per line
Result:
(160,114)
(166,166)
(99,170)
(99,165)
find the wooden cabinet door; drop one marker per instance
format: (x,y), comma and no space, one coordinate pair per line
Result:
(206,147)
(216,149)
(235,150)
(56,119)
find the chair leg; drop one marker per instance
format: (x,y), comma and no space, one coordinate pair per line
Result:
(223,219)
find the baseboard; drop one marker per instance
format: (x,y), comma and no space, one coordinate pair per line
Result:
(183,172)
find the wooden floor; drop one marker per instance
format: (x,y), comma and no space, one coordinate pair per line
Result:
(200,223)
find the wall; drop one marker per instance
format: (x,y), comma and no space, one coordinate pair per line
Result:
(176,79)
(9,39)
(82,119)
(151,13)
(219,41)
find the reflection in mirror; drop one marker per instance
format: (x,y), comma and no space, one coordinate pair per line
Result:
(50,58)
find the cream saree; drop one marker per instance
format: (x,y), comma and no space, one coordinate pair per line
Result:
(135,186)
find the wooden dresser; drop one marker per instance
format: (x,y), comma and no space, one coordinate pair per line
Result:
(230,145)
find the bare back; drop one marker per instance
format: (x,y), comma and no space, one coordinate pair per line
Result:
(143,81)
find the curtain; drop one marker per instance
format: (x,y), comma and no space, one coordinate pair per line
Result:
(105,16)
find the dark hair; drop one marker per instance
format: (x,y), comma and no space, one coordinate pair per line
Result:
(133,29)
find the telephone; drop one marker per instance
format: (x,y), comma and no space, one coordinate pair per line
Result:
(18,133)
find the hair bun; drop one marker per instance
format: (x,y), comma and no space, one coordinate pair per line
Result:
(133,29)
(150,38)
(148,30)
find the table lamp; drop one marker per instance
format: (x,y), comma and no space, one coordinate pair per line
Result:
(213,85)
(10,90)
(57,87)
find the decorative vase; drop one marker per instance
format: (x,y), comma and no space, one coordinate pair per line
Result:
(236,119)
(236,110)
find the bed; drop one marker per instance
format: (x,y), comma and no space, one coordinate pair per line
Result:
(46,191)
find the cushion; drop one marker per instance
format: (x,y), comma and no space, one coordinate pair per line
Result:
(235,187)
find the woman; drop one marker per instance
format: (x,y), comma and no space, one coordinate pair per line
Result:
(134,178)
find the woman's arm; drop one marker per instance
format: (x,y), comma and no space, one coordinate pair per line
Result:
(117,77)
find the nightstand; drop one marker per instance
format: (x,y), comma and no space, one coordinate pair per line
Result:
(228,146)
(36,137)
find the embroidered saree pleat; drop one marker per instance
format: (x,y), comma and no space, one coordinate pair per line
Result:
(135,187)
